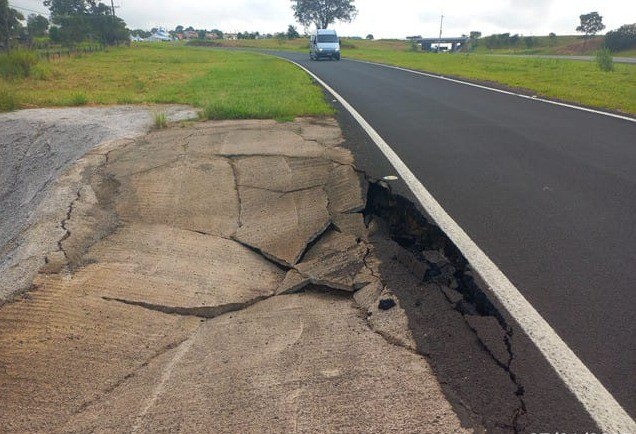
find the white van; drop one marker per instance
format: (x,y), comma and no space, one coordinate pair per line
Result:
(324,43)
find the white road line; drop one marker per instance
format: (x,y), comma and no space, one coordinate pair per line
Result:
(600,404)
(505,92)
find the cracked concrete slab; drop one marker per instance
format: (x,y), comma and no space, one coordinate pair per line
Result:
(38,145)
(350,224)
(63,347)
(347,193)
(165,266)
(289,386)
(160,304)
(325,131)
(335,261)
(282,174)
(281,225)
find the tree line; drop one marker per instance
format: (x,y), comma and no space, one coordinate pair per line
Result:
(72,22)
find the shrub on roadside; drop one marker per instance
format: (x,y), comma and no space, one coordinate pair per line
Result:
(604,60)
(18,64)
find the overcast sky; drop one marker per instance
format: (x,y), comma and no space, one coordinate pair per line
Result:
(383,19)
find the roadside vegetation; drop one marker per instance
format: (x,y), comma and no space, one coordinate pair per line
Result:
(224,84)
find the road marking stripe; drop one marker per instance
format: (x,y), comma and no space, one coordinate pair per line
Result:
(505,92)
(599,403)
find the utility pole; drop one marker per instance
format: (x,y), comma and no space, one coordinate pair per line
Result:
(112,6)
(439,41)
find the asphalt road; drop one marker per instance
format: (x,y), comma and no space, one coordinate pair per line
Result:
(547,192)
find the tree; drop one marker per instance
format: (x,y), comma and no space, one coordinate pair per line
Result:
(292,33)
(218,33)
(82,19)
(552,39)
(4,25)
(10,24)
(530,41)
(178,29)
(591,24)
(623,38)
(37,25)
(474,35)
(140,33)
(369,37)
(323,12)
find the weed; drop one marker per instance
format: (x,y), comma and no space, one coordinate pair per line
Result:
(78,98)
(160,120)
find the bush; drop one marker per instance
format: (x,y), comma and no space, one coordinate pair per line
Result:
(623,38)
(18,64)
(604,60)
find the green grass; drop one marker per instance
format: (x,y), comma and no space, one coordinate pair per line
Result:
(225,84)
(78,98)
(8,99)
(17,64)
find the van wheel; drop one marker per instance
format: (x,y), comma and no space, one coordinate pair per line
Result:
(337,56)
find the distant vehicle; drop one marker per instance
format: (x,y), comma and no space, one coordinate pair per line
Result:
(324,43)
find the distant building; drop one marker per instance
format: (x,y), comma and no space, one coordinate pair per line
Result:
(190,34)
(443,44)
(232,36)
(161,34)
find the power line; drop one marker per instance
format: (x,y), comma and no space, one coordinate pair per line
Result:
(28,10)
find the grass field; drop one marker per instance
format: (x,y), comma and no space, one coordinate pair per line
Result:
(226,85)
(573,81)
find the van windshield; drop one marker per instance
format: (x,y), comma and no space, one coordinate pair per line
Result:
(327,38)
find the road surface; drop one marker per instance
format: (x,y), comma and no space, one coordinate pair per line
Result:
(548,192)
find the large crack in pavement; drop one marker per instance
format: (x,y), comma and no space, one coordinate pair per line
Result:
(207,312)
(433,259)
